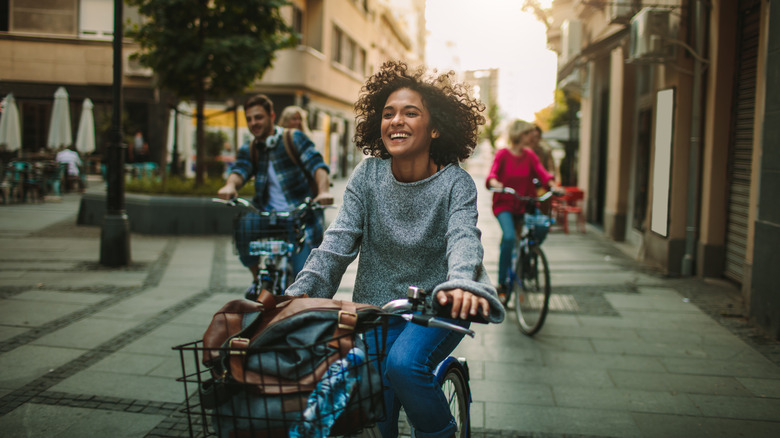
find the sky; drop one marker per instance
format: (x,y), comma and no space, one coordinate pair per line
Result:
(472,35)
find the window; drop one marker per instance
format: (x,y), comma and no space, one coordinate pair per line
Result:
(297,22)
(337,41)
(347,52)
(4,15)
(348,58)
(360,61)
(45,16)
(314,22)
(96,19)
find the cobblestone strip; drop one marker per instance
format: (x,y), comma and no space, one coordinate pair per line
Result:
(104,403)
(113,295)
(24,394)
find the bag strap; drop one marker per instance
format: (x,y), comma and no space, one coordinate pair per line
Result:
(295,156)
(253,151)
(267,299)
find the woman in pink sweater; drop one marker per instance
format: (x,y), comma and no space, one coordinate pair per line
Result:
(516,166)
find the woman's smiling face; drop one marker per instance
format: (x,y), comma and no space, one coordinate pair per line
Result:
(406,130)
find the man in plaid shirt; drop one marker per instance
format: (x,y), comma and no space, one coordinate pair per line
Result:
(280,184)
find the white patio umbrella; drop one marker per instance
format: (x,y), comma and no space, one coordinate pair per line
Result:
(85,137)
(184,135)
(10,129)
(59,125)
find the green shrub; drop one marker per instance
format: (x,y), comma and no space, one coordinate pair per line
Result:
(181,187)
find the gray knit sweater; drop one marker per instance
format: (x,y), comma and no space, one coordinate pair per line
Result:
(420,234)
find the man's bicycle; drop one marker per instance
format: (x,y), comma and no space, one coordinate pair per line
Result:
(245,418)
(275,237)
(529,274)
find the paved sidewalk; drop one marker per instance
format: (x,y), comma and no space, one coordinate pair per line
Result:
(86,350)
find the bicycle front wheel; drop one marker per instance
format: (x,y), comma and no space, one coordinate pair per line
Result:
(455,390)
(532,297)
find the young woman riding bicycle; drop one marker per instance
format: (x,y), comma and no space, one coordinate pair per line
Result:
(516,167)
(410,213)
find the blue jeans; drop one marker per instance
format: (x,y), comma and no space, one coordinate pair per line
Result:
(507,222)
(413,352)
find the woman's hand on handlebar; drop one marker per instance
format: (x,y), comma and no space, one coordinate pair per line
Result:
(494,184)
(464,304)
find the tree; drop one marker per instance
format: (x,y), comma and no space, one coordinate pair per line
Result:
(565,109)
(536,8)
(214,48)
(543,116)
(490,130)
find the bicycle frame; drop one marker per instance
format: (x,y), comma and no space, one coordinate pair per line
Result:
(529,277)
(524,238)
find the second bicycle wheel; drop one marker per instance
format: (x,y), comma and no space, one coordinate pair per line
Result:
(454,388)
(532,294)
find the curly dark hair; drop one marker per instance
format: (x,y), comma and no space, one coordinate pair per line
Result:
(453,112)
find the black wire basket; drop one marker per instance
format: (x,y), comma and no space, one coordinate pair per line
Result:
(342,395)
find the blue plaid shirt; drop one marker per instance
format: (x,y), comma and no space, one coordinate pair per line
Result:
(294,184)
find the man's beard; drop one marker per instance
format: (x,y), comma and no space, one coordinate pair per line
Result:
(265,133)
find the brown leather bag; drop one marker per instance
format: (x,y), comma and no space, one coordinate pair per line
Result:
(267,357)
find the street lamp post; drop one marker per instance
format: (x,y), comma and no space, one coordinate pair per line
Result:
(175,153)
(115,234)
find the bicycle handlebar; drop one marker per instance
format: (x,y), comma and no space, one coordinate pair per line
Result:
(547,195)
(245,205)
(426,311)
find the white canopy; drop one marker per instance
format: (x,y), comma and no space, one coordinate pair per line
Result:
(85,137)
(59,126)
(10,128)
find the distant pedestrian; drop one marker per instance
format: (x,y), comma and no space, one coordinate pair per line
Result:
(73,172)
(543,150)
(140,149)
(294,117)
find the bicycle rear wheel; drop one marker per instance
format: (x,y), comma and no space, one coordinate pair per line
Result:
(455,388)
(532,294)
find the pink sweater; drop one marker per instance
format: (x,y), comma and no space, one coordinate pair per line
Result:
(517,172)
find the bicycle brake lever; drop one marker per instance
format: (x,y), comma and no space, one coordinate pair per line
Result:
(431,321)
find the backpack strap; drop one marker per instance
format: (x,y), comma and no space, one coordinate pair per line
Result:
(253,148)
(296,158)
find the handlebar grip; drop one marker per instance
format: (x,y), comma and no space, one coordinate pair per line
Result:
(446,312)
(431,321)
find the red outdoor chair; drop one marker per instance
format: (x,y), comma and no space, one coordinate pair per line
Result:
(573,201)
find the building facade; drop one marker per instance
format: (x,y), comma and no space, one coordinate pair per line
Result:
(45,45)
(484,84)
(678,151)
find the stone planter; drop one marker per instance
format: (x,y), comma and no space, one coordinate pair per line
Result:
(170,215)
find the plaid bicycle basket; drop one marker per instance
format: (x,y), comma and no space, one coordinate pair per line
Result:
(259,233)
(300,369)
